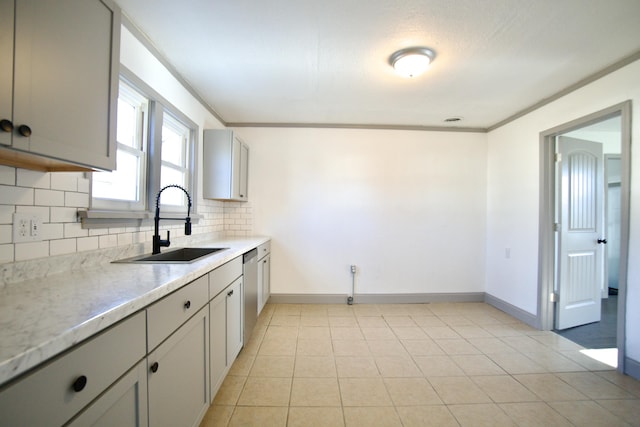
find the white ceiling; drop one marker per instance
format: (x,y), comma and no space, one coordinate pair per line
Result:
(326,61)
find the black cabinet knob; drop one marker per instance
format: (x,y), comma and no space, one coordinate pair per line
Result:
(602,241)
(230,293)
(24,130)
(154,367)
(6,125)
(187,305)
(79,384)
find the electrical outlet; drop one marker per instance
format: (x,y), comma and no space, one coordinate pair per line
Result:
(26,227)
(34,227)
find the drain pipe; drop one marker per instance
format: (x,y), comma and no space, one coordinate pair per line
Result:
(353,285)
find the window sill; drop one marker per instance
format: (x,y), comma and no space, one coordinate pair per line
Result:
(106,219)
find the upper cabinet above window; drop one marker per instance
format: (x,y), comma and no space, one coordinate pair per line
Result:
(59,66)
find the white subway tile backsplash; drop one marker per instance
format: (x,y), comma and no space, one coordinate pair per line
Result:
(108,241)
(62,247)
(6,253)
(7,175)
(87,243)
(35,179)
(83,185)
(51,231)
(66,181)
(6,214)
(59,214)
(98,231)
(31,250)
(74,230)
(124,239)
(41,212)
(78,200)
(6,233)
(16,195)
(49,197)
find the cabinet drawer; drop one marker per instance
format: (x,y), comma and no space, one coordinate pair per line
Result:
(166,315)
(264,249)
(47,396)
(224,275)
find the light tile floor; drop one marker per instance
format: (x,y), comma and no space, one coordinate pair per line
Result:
(446,364)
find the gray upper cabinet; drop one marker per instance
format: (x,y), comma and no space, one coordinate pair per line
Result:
(225,166)
(6,70)
(59,83)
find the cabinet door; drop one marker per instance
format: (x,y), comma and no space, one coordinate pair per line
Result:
(235,319)
(6,67)
(123,405)
(266,278)
(243,172)
(177,376)
(218,344)
(65,82)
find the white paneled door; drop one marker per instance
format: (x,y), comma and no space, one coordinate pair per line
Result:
(580,241)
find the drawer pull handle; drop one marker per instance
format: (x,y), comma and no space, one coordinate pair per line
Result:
(230,293)
(24,130)
(79,384)
(187,305)
(154,367)
(6,125)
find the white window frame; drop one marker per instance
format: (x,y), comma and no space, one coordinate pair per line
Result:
(141,103)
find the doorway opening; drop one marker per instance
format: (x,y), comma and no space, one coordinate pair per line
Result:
(584,227)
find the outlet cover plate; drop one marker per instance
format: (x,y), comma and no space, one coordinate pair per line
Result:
(26,227)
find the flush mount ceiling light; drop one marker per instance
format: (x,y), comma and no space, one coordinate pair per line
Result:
(412,61)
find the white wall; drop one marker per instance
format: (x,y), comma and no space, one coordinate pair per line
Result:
(408,208)
(513,195)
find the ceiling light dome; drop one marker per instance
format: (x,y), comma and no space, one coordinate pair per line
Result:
(412,61)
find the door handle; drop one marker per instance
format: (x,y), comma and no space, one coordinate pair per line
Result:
(602,241)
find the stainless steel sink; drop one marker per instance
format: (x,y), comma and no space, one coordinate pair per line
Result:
(176,256)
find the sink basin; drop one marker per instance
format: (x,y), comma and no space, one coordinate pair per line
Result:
(176,256)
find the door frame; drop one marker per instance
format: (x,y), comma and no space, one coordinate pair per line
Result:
(546,232)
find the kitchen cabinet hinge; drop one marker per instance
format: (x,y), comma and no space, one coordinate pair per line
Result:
(556,226)
(553,297)
(558,157)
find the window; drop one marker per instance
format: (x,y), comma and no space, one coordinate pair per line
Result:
(174,160)
(155,148)
(124,188)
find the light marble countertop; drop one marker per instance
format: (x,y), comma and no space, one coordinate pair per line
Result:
(40,320)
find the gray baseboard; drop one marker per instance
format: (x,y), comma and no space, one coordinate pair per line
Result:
(632,368)
(512,310)
(376,298)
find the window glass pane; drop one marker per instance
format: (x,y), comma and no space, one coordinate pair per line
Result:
(121,184)
(172,146)
(127,117)
(173,197)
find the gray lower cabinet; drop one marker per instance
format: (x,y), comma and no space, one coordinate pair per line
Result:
(264,275)
(190,339)
(124,404)
(54,393)
(178,375)
(226,320)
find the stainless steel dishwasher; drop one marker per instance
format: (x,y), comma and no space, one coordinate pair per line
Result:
(250,278)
